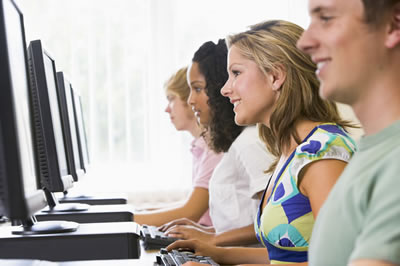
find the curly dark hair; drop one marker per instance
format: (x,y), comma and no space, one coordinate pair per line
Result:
(212,61)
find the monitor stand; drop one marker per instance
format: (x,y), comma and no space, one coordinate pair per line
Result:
(55,206)
(95,214)
(108,199)
(33,227)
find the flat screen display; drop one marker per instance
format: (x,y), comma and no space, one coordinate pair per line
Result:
(72,124)
(21,95)
(55,113)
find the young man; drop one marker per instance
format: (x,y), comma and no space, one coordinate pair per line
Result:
(356,45)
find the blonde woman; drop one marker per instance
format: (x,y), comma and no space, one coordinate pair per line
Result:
(273,83)
(204,159)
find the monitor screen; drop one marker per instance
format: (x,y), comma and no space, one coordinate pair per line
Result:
(50,72)
(72,121)
(19,175)
(69,123)
(81,130)
(19,80)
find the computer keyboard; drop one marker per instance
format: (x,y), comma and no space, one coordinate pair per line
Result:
(176,258)
(153,238)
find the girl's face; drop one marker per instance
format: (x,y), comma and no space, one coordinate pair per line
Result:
(250,91)
(198,97)
(179,112)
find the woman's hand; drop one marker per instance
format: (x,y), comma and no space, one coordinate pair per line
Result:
(190,232)
(183,221)
(223,255)
(199,248)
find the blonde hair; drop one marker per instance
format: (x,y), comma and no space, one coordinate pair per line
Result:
(272,46)
(177,84)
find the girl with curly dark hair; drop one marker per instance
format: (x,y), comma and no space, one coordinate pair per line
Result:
(239,178)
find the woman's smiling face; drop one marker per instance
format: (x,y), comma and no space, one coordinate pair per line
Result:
(249,90)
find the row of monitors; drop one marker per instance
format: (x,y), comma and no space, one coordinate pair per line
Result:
(42,135)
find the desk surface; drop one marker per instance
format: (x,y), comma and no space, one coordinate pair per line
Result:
(147,258)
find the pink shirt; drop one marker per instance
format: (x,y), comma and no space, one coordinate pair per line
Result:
(204,162)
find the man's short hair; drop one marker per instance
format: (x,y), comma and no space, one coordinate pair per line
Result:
(376,10)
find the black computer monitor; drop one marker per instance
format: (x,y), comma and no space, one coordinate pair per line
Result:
(48,129)
(53,165)
(69,126)
(20,195)
(82,139)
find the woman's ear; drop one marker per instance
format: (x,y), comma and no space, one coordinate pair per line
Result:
(278,78)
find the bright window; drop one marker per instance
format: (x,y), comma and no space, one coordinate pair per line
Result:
(118,54)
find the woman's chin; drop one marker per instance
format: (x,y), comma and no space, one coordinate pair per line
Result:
(240,121)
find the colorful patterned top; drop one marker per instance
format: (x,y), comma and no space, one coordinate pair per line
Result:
(284,225)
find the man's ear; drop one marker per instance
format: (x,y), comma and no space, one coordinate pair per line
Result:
(393,37)
(278,78)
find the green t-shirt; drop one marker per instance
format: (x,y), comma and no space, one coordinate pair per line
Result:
(361,217)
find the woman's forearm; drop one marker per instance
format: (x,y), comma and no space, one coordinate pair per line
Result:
(239,255)
(237,237)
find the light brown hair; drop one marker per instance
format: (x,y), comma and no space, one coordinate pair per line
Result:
(177,84)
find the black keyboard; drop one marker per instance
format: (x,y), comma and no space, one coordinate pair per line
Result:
(153,238)
(175,258)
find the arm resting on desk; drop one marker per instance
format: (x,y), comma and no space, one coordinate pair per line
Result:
(194,207)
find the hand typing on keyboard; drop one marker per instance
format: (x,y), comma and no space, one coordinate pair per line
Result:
(153,238)
(190,232)
(185,221)
(198,247)
(182,257)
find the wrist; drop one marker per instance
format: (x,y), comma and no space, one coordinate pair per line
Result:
(218,254)
(214,239)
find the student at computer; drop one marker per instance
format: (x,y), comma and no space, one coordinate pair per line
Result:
(273,83)
(356,45)
(238,181)
(204,159)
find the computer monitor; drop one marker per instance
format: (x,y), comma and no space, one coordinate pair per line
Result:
(82,139)
(53,166)
(48,129)
(20,195)
(69,126)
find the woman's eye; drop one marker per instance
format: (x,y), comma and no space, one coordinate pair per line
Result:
(235,73)
(197,89)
